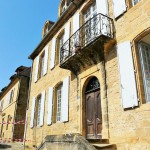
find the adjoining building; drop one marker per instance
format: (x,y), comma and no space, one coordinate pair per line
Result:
(90,77)
(13,102)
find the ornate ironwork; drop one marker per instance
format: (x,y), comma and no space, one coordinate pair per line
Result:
(92,85)
(87,33)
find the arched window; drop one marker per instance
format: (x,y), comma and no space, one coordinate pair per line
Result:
(93,84)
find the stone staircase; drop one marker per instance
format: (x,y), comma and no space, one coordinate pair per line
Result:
(74,142)
(102,144)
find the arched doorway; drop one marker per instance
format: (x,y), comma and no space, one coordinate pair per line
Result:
(93,113)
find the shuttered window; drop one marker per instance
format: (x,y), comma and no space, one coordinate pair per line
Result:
(36,69)
(38,107)
(52,63)
(127,75)
(50,106)
(119,7)
(32,113)
(65,100)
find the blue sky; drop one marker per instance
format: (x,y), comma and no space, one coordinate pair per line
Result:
(21,23)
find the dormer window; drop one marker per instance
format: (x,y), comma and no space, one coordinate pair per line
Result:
(47,26)
(63,6)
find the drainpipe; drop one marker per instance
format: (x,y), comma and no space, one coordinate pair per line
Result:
(103,69)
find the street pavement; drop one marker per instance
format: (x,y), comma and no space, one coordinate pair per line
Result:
(12,146)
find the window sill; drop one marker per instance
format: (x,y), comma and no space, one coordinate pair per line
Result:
(144,107)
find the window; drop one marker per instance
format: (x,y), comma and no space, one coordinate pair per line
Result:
(144,50)
(60,41)
(63,7)
(59,97)
(90,26)
(8,120)
(11,96)
(38,110)
(41,65)
(3,119)
(134,2)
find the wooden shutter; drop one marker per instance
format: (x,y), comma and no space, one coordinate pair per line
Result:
(32,113)
(102,7)
(76,22)
(127,76)
(36,69)
(119,7)
(50,106)
(42,108)
(65,100)
(53,53)
(45,60)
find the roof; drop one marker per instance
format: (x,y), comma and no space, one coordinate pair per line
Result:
(73,6)
(20,71)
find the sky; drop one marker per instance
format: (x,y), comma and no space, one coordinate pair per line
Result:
(21,23)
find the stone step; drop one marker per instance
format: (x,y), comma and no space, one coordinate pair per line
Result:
(98,141)
(105,146)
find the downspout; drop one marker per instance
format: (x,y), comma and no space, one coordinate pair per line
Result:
(27,105)
(103,69)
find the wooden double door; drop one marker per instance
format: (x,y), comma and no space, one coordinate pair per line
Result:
(93,115)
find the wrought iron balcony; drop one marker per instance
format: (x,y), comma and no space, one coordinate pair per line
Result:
(87,40)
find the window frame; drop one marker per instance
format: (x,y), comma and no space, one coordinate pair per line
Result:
(58,102)
(142,64)
(38,110)
(41,65)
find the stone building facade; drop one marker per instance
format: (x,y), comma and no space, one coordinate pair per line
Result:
(90,75)
(13,100)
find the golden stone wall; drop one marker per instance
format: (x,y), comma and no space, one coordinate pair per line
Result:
(129,129)
(9,109)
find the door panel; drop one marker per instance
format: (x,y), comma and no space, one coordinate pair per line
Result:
(93,115)
(98,114)
(90,121)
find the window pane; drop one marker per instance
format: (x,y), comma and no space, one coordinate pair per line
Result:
(59,92)
(145,65)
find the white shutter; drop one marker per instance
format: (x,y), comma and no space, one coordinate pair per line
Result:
(32,113)
(127,76)
(66,37)
(65,100)
(42,108)
(102,7)
(76,22)
(67,32)
(45,60)
(76,26)
(53,53)
(8,97)
(36,69)
(50,103)
(119,7)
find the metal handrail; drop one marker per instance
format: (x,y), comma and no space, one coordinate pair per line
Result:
(93,28)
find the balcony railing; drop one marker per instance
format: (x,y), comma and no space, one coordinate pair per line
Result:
(90,31)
